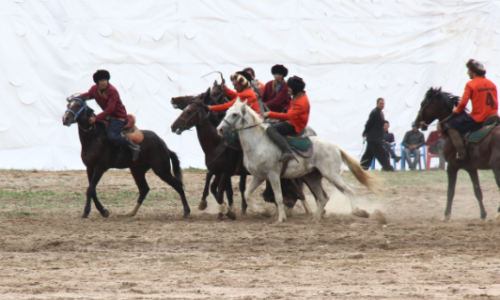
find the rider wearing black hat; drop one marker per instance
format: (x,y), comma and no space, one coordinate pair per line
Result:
(293,121)
(108,99)
(275,93)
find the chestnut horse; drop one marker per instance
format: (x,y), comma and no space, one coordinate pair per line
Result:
(99,155)
(484,155)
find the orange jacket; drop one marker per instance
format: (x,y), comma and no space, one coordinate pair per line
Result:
(297,114)
(484,99)
(248,95)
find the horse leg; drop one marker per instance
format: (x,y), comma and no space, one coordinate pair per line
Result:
(497,179)
(243,183)
(477,191)
(167,177)
(91,194)
(313,181)
(253,185)
(219,197)
(307,208)
(139,175)
(452,181)
(203,203)
(228,187)
(278,195)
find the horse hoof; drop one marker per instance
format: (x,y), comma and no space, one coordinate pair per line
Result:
(220,216)
(231,215)
(446,218)
(244,212)
(202,205)
(84,216)
(130,214)
(497,217)
(266,213)
(105,213)
(361,213)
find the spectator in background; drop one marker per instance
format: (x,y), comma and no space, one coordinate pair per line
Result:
(374,131)
(389,141)
(413,140)
(435,141)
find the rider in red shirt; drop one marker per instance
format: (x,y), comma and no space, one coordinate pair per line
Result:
(275,94)
(108,99)
(244,91)
(294,120)
(483,94)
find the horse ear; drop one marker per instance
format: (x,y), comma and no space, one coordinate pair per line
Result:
(215,82)
(207,96)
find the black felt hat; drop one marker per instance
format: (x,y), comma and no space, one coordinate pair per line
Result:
(279,69)
(101,74)
(296,84)
(247,76)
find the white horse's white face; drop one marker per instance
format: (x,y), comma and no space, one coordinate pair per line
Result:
(233,119)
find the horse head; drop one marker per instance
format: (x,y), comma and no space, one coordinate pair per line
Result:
(77,111)
(182,102)
(436,105)
(234,119)
(193,114)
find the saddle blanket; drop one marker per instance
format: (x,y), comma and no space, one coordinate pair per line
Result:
(479,135)
(302,145)
(130,131)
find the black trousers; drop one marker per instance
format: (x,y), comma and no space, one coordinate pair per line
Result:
(388,148)
(374,149)
(277,133)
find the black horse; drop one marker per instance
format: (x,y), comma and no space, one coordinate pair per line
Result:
(99,155)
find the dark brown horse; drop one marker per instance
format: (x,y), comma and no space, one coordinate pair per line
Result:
(224,161)
(99,155)
(484,155)
(216,97)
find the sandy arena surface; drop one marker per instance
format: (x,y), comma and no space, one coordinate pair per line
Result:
(48,252)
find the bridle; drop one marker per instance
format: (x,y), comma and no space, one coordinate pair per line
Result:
(84,109)
(198,112)
(429,104)
(233,130)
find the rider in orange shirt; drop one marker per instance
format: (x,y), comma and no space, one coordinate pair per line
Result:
(483,93)
(294,120)
(244,91)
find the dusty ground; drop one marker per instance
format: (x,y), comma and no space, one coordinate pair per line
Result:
(48,252)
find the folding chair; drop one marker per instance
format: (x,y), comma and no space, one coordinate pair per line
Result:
(403,160)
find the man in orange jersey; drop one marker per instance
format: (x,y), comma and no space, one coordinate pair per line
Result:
(295,119)
(484,103)
(241,82)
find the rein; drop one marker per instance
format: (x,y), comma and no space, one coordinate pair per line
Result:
(199,113)
(84,109)
(428,104)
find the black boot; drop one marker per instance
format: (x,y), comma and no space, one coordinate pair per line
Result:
(458,142)
(282,143)
(136,149)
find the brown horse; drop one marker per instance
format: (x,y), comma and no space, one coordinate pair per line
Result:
(99,155)
(484,155)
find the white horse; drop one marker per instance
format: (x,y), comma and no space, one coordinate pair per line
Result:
(262,155)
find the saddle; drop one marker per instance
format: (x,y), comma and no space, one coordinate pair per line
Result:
(301,144)
(129,131)
(478,135)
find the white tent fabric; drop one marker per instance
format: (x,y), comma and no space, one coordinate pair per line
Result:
(348,52)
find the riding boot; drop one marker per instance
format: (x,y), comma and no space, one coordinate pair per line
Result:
(282,143)
(136,149)
(458,142)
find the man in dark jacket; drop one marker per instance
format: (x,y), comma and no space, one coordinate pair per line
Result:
(389,141)
(275,94)
(374,133)
(413,140)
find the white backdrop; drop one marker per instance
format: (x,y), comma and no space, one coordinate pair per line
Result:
(348,52)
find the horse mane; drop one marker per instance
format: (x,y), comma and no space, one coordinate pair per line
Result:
(447,99)
(255,116)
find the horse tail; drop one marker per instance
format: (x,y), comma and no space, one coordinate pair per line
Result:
(176,165)
(365,178)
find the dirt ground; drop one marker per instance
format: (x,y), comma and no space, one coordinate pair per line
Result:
(48,252)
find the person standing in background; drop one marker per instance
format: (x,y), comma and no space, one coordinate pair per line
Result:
(374,133)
